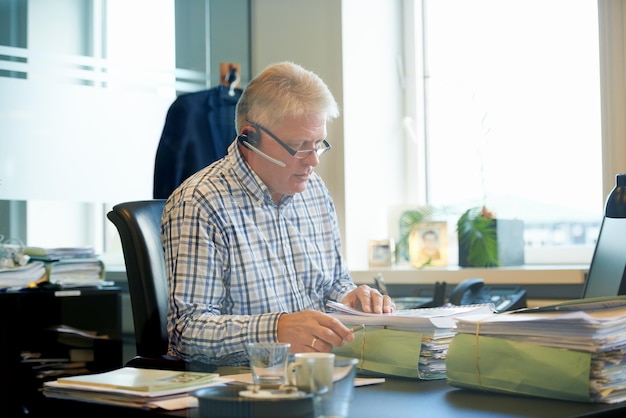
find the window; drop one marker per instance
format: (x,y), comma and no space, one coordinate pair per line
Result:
(512,117)
(371,51)
(84,95)
(116,83)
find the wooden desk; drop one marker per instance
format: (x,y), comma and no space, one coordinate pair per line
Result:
(399,398)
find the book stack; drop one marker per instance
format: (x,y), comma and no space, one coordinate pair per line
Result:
(70,266)
(134,387)
(573,351)
(409,343)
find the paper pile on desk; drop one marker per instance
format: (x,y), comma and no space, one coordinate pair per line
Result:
(577,352)
(409,343)
(77,272)
(59,253)
(70,266)
(21,277)
(135,387)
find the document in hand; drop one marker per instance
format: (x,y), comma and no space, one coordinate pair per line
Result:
(574,351)
(421,319)
(409,343)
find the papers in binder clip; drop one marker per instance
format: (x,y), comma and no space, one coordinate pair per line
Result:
(576,352)
(410,343)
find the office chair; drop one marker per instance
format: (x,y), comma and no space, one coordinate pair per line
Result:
(138,224)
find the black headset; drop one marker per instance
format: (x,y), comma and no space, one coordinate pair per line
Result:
(250,140)
(249,137)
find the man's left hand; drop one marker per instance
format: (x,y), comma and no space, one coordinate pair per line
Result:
(369,300)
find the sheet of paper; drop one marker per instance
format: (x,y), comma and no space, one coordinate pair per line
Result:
(177,403)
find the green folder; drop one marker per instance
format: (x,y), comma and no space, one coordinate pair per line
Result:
(501,365)
(385,351)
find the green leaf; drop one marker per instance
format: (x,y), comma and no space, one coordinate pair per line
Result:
(478,236)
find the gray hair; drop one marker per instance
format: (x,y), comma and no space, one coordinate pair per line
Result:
(284,90)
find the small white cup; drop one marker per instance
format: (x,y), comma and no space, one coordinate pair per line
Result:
(312,372)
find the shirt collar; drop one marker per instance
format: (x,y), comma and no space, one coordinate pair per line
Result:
(249,180)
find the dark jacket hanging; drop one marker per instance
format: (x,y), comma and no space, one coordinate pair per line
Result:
(198,129)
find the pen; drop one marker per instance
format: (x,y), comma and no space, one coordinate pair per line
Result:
(357,328)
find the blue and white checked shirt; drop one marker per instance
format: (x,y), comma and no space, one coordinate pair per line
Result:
(236,260)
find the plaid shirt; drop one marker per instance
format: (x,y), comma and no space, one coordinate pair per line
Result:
(235,260)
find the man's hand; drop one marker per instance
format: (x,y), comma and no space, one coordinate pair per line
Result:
(369,300)
(312,331)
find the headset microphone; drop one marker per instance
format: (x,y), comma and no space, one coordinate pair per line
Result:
(243,139)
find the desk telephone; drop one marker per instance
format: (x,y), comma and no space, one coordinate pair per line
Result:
(473,291)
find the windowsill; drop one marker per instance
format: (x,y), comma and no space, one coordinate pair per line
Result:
(546,284)
(520,275)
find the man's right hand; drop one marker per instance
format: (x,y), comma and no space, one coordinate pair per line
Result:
(312,330)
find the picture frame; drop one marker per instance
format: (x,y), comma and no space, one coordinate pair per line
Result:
(381,253)
(428,244)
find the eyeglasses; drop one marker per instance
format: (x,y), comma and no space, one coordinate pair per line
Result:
(320,148)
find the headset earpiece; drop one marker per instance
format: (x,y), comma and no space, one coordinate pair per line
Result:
(250,137)
(250,140)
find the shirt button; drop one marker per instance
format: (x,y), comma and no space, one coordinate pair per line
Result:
(260,202)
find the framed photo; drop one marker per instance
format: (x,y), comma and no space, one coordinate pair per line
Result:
(428,245)
(381,253)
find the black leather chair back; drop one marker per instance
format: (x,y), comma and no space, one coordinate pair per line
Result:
(138,224)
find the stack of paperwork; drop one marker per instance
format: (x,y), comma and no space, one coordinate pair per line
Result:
(66,267)
(409,343)
(21,277)
(70,266)
(574,351)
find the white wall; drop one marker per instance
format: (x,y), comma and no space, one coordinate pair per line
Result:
(373,113)
(307,33)
(353,45)
(612,23)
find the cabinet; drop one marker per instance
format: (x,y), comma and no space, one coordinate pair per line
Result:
(29,321)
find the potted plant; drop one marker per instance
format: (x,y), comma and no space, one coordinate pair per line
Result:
(485,241)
